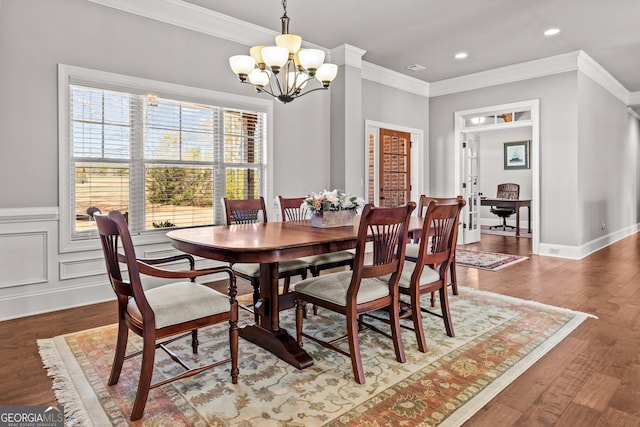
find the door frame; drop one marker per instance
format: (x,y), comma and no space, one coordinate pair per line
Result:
(417,158)
(532,105)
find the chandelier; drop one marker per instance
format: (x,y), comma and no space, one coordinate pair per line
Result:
(283,70)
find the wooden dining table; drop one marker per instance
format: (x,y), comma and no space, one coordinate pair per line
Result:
(269,244)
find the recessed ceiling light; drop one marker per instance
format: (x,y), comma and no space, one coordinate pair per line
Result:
(461,55)
(552,32)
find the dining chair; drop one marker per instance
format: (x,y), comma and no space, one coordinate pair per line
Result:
(413,248)
(428,274)
(371,285)
(161,313)
(251,211)
(292,209)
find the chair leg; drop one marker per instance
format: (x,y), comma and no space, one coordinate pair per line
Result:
(233,343)
(287,283)
(454,277)
(446,315)
(299,319)
(255,282)
(394,317)
(354,348)
(416,315)
(146,372)
(121,349)
(194,341)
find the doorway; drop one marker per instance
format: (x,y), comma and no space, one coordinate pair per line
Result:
(415,174)
(494,118)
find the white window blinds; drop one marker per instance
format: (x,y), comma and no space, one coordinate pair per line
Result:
(162,161)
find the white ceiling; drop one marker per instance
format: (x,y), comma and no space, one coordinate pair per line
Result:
(495,33)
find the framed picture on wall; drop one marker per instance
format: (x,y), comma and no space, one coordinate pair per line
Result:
(516,155)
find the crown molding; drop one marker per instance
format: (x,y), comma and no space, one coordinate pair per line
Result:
(200,19)
(589,67)
(511,73)
(387,77)
(345,54)
(210,22)
(633,99)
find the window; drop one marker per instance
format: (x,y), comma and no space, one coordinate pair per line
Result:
(163,159)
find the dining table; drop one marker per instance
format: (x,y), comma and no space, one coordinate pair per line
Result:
(269,244)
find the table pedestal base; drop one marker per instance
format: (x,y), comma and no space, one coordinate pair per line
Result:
(279,343)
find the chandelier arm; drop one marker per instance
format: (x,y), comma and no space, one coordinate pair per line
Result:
(260,89)
(312,90)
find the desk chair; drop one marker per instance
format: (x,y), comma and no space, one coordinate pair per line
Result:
(372,285)
(505,191)
(251,211)
(165,311)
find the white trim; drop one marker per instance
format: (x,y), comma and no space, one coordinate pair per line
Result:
(17,215)
(511,73)
(530,105)
(200,19)
(345,54)
(66,243)
(387,77)
(633,99)
(589,67)
(579,252)
(633,113)
(417,155)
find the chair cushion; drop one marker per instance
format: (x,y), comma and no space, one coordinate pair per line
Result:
(181,302)
(333,287)
(329,258)
(412,250)
(253,269)
(429,275)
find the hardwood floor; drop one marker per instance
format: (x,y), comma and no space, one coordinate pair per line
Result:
(590,379)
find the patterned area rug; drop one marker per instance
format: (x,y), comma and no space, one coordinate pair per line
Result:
(486,260)
(497,339)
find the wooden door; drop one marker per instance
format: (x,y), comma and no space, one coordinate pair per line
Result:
(395,165)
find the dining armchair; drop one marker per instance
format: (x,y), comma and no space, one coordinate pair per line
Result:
(161,313)
(371,285)
(429,270)
(251,211)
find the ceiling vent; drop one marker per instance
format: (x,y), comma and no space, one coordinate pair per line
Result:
(416,67)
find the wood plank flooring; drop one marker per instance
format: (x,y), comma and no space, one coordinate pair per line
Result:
(592,378)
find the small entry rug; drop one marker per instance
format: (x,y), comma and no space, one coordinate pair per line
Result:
(497,339)
(486,260)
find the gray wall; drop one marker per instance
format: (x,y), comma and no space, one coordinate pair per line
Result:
(37,35)
(608,191)
(558,145)
(388,105)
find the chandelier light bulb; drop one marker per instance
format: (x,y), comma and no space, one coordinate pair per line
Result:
(291,42)
(311,60)
(242,65)
(256,53)
(259,77)
(326,73)
(275,56)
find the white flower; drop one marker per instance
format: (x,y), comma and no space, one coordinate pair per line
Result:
(335,200)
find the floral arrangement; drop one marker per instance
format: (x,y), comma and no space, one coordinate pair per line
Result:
(336,200)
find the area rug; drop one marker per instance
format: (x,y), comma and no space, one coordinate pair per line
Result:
(486,260)
(497,339)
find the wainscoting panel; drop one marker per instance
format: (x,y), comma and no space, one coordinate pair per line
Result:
(23,258)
